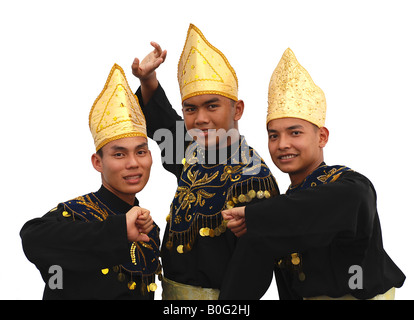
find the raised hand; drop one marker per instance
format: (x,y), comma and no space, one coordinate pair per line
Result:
(145,71)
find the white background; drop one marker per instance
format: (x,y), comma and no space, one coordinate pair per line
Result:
(56,56)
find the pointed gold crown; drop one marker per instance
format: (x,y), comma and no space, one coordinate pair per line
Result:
(293,94)
(203,69)
(116,112)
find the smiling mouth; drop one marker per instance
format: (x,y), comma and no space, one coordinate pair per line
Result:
(202,134)
(288,156)
(133,178)
(204,131)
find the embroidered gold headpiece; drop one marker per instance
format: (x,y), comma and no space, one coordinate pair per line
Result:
(203,69)
(116,112)
(293,94)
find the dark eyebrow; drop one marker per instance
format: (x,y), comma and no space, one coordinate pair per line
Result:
(212,100)
(298,126)
(120,148)
(142,145)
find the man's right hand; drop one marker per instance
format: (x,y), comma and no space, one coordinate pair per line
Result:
(236,220)
(145,71)
(135,228)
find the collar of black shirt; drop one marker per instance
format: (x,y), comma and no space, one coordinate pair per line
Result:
(113,202)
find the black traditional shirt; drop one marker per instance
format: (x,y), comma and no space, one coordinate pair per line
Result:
(87,238)
(314,237)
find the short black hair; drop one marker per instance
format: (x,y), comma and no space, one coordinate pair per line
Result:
(100,153)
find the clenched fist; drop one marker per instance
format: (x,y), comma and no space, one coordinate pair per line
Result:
(139,223)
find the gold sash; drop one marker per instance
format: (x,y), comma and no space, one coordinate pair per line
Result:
(172,290)
(389,295)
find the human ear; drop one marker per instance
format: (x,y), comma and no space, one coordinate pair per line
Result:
(97,162)
(323,136)
(239,109)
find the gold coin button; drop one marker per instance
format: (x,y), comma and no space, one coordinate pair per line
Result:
(230,204)
(252,194)
(242,198)
(132,285)
(217,232)
(66,214)
(152,287)
(121,277)
(206,232)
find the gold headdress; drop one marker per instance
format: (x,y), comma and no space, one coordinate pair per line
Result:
(203,69)
(293,94)
(116,112)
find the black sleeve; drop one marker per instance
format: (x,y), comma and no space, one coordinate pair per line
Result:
(313,217)
(172,138)
(73,244)
(158,112)
(344,209)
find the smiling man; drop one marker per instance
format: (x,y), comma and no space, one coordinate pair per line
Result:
(219,169)
(323,237)
(126,167)
(105,245)
(296,146)
(212,120)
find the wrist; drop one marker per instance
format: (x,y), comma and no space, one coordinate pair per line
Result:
(148,87)
(150,82)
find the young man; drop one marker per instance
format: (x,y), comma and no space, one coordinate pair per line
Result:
(219,169)
(102,245)
(323,237)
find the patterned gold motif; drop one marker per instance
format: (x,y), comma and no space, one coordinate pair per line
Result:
(205,190)
(230,171)
(90,208)
(329,174)
(94,207)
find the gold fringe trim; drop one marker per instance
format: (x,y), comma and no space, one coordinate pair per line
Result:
(240,193)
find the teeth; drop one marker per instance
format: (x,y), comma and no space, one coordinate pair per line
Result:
(290,156)
(131,178)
